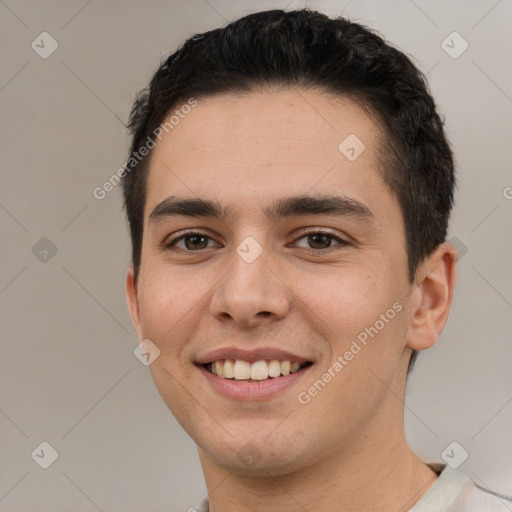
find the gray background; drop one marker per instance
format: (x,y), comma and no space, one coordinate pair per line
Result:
(68,372)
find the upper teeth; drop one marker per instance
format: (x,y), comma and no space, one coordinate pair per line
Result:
(259,370)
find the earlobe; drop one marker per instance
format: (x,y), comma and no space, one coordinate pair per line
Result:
(133,300)
(433,294)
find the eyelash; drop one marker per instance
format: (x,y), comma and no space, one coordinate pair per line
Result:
(341,242)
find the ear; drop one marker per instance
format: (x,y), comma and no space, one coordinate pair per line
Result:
(133,301)
(432,297)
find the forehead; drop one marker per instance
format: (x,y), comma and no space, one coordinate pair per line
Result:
(260,145)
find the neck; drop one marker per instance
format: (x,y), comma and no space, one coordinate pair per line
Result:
(383,475)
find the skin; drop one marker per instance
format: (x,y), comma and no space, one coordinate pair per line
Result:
(345,449)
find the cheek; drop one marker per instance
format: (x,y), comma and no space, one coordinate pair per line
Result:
(169,304)
(346,300)
(361,314)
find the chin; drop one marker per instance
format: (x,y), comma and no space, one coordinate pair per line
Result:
(256,454)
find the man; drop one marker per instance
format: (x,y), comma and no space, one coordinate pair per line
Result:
(288,197)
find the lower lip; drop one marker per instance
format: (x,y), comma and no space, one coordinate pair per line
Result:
(258,390)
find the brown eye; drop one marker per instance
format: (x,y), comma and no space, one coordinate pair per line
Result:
(320,241)
(190,242)
(195,242)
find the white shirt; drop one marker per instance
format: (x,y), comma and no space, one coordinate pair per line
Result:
(453,491)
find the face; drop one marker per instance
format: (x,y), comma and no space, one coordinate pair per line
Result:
(293,251)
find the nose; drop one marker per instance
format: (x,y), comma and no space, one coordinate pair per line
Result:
(250,294)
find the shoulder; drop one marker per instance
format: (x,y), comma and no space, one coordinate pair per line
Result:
(454,491)
(474,498)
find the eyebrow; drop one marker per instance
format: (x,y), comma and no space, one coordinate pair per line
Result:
(301,205)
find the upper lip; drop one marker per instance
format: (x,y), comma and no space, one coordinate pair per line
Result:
(256,354)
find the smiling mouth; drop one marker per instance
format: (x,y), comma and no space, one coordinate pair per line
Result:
(239,370)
